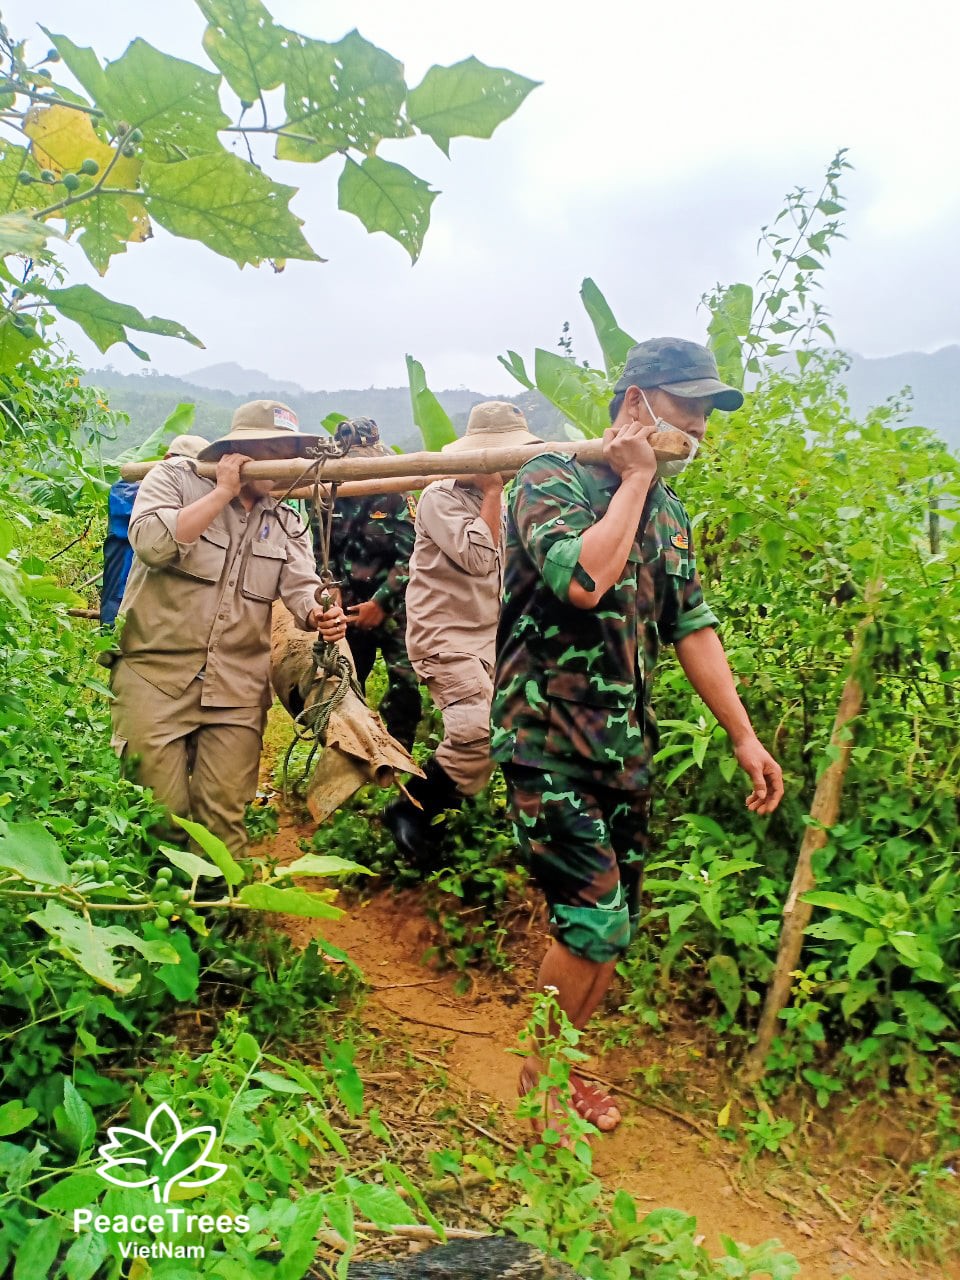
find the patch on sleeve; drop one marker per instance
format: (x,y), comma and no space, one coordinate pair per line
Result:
(680,541)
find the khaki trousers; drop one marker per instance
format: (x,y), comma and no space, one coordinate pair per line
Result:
(200,762)
(461,686)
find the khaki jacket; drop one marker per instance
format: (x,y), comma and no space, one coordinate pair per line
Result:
(204,606)
(456,574)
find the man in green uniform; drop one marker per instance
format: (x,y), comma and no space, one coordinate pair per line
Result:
(600,572)
(371,540)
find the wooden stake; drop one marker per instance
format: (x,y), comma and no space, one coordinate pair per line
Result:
(823,814)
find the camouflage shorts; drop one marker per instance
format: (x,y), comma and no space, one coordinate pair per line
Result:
(585,845)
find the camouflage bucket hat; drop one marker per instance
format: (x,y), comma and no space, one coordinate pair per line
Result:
(682,368)
(262,429)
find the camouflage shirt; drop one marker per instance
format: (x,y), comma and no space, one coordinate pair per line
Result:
(573,685)
(371,541)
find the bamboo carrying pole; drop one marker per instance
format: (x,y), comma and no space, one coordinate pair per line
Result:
(823,814)
(414,468)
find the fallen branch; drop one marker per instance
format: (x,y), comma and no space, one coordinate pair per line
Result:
(413,1231)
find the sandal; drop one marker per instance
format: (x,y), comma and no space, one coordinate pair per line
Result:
(593,1104)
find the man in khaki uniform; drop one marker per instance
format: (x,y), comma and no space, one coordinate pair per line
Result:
(453,605)
(191,681)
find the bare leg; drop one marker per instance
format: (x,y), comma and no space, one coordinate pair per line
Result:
(581,985)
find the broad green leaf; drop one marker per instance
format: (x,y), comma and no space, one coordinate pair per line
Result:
(381,1205)
(14,1116)
(15,347)
(861,954)
(175,104)
(190,863)
(107,225)
(14,195)
(72,1192)
(514,365)
(614,342)
(729,325)
(841,902)
(387,197)
(183,978)
(228,205)
(566,385)
(214,848)
(19,233)
(315,864)
(105,322)
(156,950)
(37,1252)
(85,1256)
(82,62)
(75,1120)
(290,902)
(85,944)
(30,850)
(246,44)
(468,99)
(348,94)
(155,445)
(428,413)
(300,1243)
(277,1083)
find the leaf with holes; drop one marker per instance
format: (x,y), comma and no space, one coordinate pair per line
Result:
(468,99)
(348,94)
(228,205)
(387,197)
(246,44)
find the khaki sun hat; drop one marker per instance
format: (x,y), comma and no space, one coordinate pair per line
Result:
(494,424)
(185,446)
(262,429)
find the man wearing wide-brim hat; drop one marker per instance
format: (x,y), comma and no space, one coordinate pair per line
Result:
(453,602)
(191,679)
(600,571)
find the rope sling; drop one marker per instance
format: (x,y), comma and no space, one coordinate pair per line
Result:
(331,667)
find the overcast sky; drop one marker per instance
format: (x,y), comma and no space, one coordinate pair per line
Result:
(662,138)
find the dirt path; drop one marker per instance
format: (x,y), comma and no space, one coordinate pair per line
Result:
(661,1159)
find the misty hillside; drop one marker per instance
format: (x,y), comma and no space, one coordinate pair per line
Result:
(149,397)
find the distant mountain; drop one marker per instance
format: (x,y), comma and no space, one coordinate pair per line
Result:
(933,378)
(150,397)
(241,382)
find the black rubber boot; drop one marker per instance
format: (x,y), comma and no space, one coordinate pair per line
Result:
(411,828)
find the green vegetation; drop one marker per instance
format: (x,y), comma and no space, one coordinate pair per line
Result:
(130,975)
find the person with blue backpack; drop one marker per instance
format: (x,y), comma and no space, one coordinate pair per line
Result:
(117,551)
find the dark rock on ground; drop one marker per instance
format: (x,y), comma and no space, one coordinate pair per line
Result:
(493,1258)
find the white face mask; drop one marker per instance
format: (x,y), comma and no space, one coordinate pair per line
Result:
(675,465)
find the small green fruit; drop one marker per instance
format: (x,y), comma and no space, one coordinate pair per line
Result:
(101,868)
(129,150)
(52,56)
(47,175)
(164,875)
(161,923)
(136,135)
(26,178)
(71,181)
(89,167)
(165,909)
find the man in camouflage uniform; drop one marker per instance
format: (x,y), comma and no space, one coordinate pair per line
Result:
(601,572)
(370,544)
